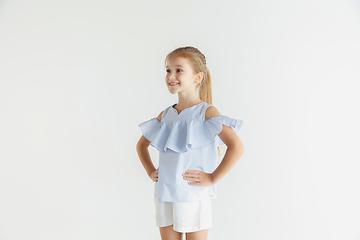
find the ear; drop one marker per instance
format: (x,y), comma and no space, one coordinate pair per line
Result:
(199,77)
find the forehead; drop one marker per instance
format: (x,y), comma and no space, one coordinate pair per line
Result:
(177,62)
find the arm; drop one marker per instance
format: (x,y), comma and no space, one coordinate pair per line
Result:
(144,155)
(235,148)
(233,153)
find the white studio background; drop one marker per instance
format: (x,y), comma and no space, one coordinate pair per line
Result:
(77,77)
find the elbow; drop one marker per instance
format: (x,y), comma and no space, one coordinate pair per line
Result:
(242,151)
(241,148)
(238,148)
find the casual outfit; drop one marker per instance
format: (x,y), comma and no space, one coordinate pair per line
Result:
(185,141)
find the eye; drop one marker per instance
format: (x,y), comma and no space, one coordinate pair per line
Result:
(168,70)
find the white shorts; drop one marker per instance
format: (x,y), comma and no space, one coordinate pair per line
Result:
(184,216)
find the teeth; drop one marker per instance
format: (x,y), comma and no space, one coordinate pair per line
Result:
(172,84)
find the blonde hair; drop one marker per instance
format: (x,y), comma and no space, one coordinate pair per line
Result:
(197,63)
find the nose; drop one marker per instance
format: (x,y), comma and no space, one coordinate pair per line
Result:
(171,76)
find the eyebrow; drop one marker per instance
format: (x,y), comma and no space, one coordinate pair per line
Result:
(177,65)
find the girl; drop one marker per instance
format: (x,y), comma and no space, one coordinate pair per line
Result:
(186,135)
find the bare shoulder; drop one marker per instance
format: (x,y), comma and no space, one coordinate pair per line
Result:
(160,116)
(211,112)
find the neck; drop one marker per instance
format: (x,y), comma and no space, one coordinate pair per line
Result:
(186,100)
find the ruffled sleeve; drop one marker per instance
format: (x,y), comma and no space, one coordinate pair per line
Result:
(150,129)
(215,126)
(179,136)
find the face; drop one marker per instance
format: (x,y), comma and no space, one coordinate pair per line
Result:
(180,77)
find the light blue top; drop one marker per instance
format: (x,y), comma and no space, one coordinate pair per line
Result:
(185,141)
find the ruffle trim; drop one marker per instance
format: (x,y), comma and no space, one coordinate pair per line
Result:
(179,136)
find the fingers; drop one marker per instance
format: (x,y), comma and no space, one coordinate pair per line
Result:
(193,171)
(194,183)
(191,176)
(197,178)
(155,175)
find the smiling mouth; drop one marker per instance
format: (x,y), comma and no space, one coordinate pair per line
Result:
(173,84)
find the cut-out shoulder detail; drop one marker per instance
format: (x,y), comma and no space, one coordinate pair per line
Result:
(178,134)
(160,116)
(211,112)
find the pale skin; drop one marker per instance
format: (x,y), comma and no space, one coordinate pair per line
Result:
(179,71)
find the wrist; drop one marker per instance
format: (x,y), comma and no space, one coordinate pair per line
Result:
(150,171)
(212,179)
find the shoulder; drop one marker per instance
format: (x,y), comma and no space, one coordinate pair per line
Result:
(211,112)
(160,116)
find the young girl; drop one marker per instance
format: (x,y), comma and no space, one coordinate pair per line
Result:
(186,135)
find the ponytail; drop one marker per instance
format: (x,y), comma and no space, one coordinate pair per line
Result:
(205,91)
